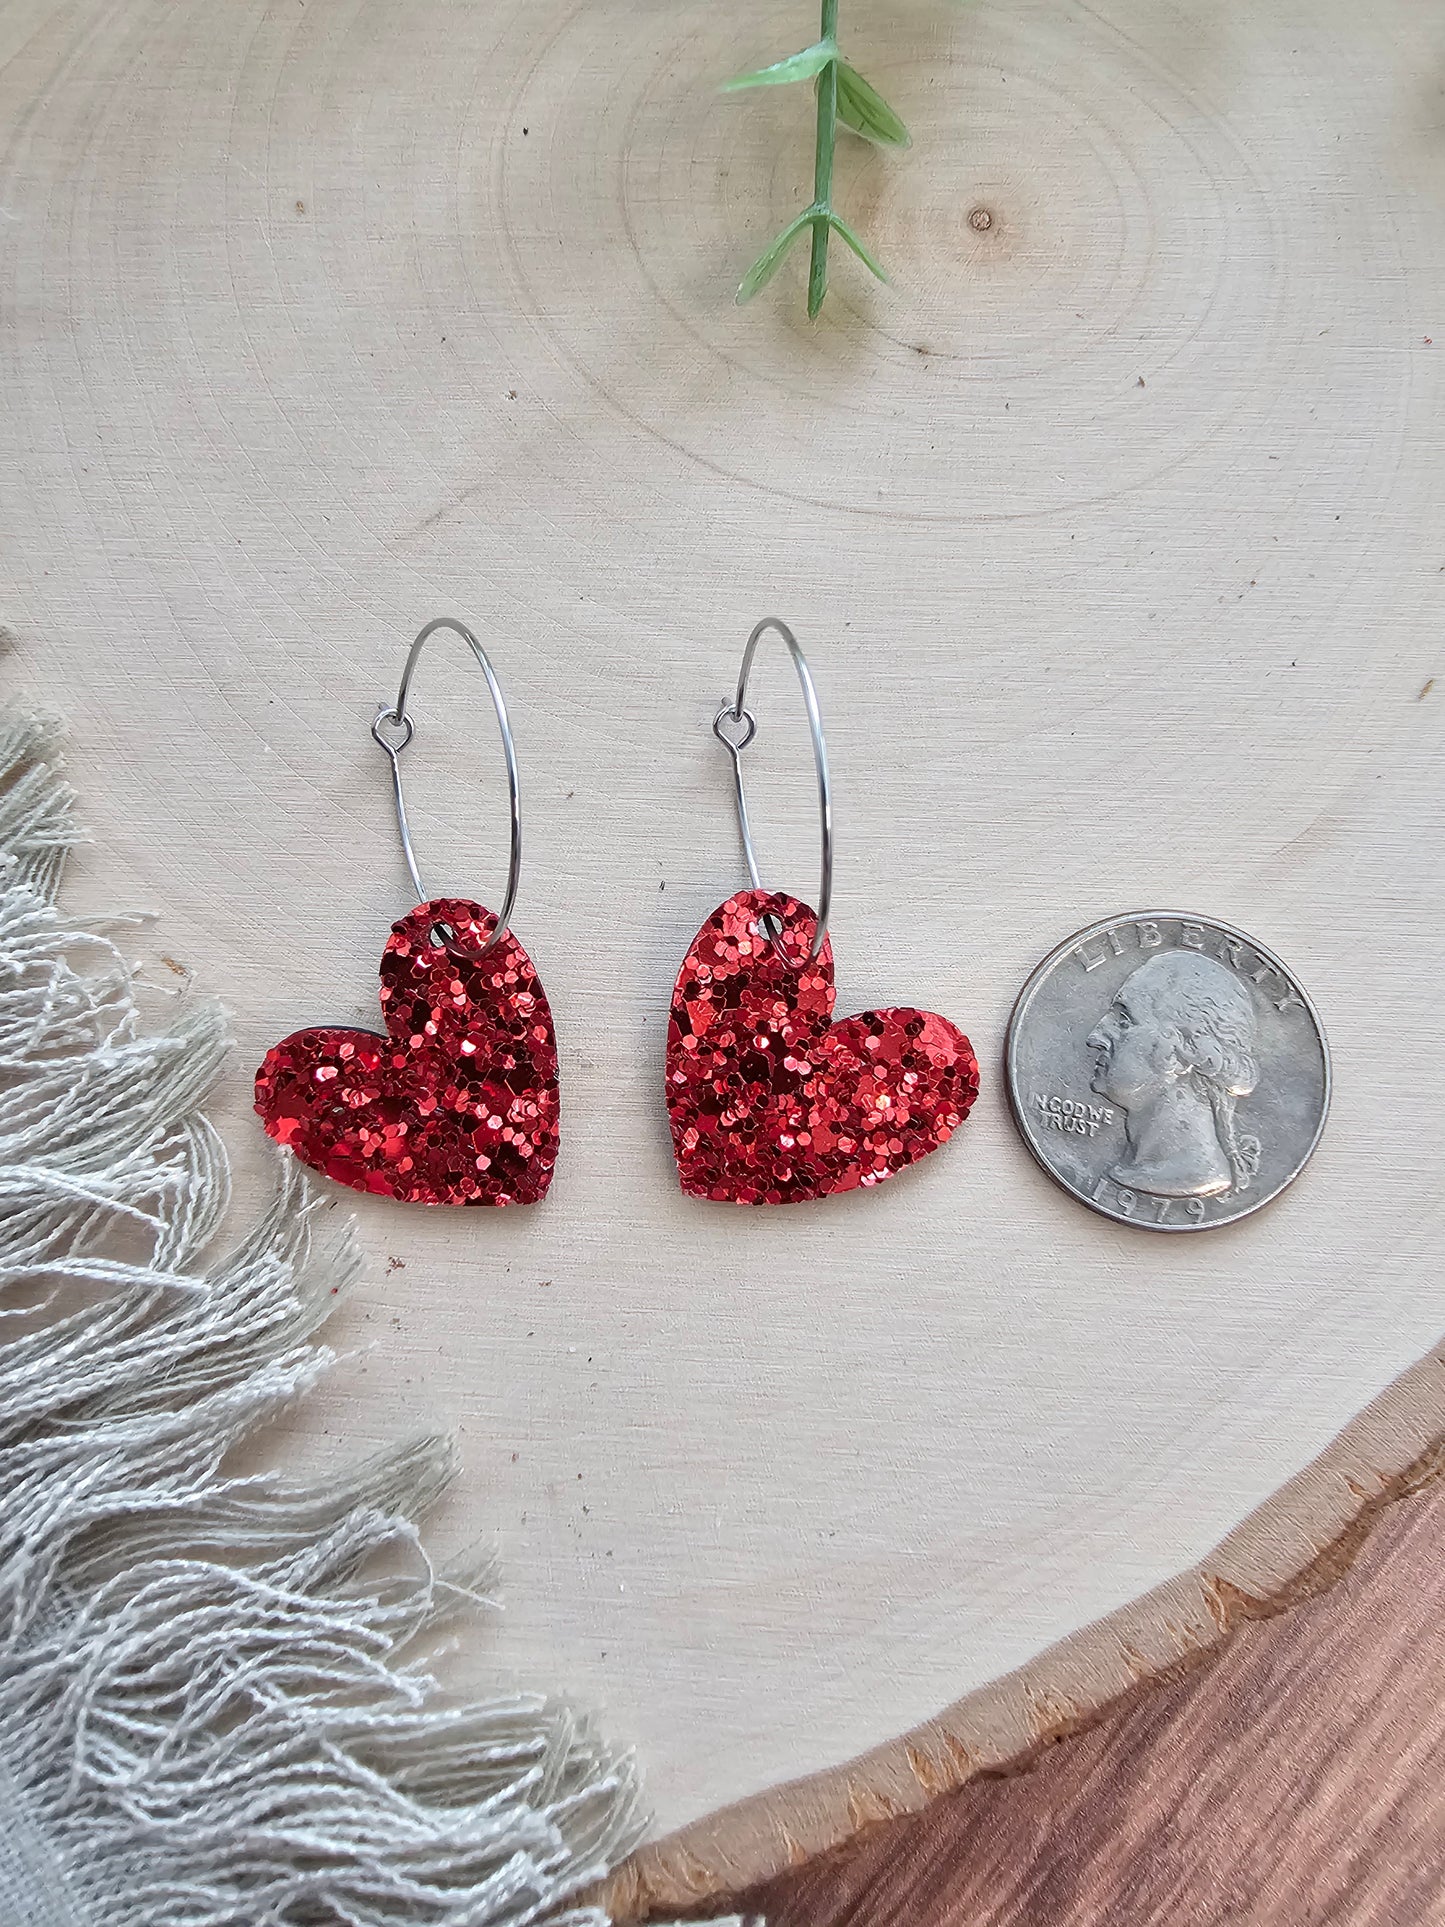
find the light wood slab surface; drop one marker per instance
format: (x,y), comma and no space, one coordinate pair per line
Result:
(1113,531)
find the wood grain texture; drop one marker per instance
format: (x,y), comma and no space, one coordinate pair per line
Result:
(1111,530)
(1299,1777)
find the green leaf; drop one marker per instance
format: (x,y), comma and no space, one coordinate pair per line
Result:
(771,258)
(863,108)
(804,66)
(840,226)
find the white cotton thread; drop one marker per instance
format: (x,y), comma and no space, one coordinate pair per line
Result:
(211,1713)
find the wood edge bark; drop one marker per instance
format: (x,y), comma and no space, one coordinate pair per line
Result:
(1297,1544)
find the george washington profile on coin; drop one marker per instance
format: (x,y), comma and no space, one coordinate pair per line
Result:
(1175,1051)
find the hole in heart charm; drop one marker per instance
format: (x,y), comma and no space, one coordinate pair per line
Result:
(458,1103)
(771,1101)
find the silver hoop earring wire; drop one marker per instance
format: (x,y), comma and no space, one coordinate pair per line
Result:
(737,715)
(394,729)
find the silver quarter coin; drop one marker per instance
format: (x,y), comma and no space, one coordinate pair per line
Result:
(1168,1071)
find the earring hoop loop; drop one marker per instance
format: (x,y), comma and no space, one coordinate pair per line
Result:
(740,716)
(395,718)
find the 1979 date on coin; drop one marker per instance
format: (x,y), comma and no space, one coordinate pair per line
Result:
(1120,1201)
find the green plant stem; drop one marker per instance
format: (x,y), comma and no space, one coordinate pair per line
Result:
(823,160)
(842,93)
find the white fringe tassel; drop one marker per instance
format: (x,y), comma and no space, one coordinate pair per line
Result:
(209,1712)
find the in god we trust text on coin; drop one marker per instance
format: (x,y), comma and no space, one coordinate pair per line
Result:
(1168,1071)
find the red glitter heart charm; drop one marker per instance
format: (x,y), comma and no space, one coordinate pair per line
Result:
(458,1104)
(771,1101)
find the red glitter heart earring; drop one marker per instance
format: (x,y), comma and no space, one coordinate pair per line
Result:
(458,1102)
(771,1101)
